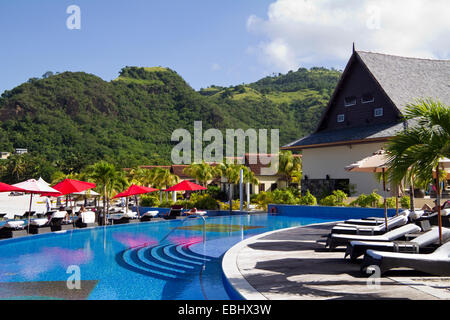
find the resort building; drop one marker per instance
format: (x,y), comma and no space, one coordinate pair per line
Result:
(364,111)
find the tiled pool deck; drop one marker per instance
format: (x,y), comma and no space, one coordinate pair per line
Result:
(290,264)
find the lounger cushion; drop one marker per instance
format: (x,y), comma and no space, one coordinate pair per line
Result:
(151,213)
(39,222)
(13,224)
(87,217)
(59,214)
(416,214)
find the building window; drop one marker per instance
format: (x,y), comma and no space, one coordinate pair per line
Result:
(349,101)
(262,187)
(378,112)
(273,187)
(367,97)
(340,117)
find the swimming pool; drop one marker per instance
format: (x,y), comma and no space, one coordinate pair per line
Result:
(152,260)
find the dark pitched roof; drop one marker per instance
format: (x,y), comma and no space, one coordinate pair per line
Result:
(406,79)
(355,134)
(403,80)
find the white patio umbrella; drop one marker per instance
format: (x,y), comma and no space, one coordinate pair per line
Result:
(374,163)
(33,186)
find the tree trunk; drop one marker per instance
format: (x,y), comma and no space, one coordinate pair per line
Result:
(411,194)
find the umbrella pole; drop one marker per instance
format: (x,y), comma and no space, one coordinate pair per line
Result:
(29,211)
(396,199)
(385,204)
(438,203)
(137,205)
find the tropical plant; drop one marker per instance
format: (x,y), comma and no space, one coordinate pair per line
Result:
(417,150)
(201,172)
(290,167)
(108,179)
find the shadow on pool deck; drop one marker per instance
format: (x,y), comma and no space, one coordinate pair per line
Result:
(290,264)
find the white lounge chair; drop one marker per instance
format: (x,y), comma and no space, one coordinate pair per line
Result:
(357,248)
(335,240)
(149,215)
(9,228)
(436,263)
(85,219)
(364,229)
(372,221)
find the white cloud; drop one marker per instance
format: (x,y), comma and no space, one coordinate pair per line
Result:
(320,32)
(215,67)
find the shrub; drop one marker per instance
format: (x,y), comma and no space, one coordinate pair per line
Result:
(226,205)
(371,200)
(165,204)
(390,203)
(149,201)
(341,196)
(308,200)
(405,202)
(205,202)
(280,196)
(330,201)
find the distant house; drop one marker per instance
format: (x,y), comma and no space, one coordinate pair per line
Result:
(20,151)
(364,111)
(4,155)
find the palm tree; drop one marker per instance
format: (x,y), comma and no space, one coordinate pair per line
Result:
(417,150)
(17,166)
(108,179)
(201,172)
(163,178)
(231,172)
(290,167)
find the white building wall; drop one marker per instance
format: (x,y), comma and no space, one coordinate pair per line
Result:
(320,162)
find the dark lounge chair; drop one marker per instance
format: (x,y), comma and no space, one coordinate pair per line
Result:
(421,244)
(25,215)
(149,215)
(118,219)
(336,240)
(13,229)
(435,263)
(3,215)
(175,211)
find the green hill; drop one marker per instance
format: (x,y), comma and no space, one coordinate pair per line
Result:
(73,118)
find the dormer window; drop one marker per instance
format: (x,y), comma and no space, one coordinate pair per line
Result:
(340,117)
(378,112)
(367,98)
(349,101)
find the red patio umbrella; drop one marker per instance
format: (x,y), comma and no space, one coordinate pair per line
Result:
(135,190)
(69,186)
(7,188)
(186,186)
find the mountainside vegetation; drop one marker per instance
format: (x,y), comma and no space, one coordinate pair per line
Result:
(73,119)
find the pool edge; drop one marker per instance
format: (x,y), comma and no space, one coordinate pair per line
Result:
(231,273)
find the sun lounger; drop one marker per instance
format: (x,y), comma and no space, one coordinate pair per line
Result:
(25,215)
(355,249)
(44,225)
(3,215)
(435,263)
(149,215)
(85,219)
(335,240)
(131,215)
(372,221)
(175,211)
(12,229)
(445,214)
(364,229)
(118,219)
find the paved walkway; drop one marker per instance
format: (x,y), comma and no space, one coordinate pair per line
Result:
(290,264)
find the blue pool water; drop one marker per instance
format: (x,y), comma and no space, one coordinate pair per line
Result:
(133,261)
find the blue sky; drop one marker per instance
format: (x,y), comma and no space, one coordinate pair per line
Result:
(222,42)
(205,41)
